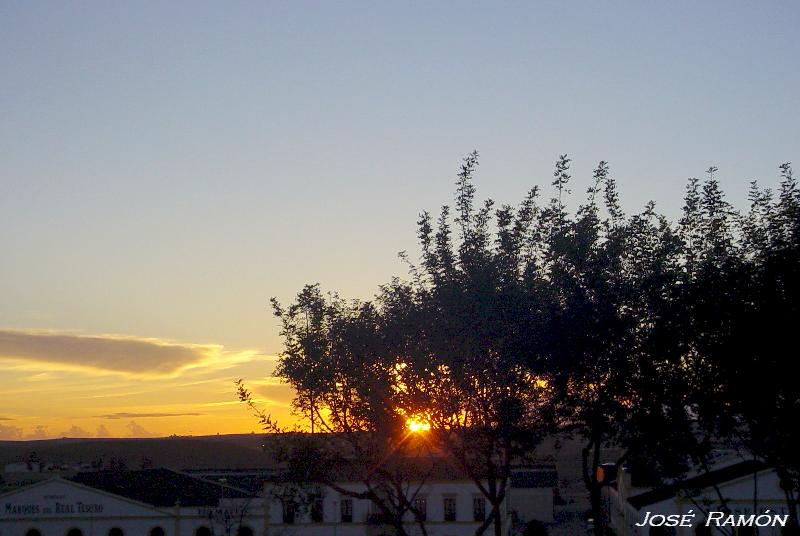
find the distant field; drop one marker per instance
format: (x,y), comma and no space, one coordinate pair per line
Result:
(224,451)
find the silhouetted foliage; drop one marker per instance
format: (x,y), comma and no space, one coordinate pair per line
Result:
(460,336)
(667,340)
(336,361)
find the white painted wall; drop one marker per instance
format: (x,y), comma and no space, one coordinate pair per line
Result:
(739,493)
(55,506)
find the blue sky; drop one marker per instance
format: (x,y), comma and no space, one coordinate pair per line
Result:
(167,167)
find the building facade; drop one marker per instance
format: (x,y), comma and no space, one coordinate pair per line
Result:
(743,487)
(160,502)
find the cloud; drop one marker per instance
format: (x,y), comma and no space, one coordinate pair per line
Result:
(137,430)
(10,432)
(114,353)
(102,431)
(40,432)
(75,431)
(5,418)
(142,415)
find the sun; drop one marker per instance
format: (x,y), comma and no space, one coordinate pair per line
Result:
(417,426)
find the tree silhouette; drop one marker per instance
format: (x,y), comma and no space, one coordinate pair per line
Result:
(335,360)
(665,340)
(460,333)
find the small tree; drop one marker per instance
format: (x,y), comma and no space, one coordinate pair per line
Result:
(334,360)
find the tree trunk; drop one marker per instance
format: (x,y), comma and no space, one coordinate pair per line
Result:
(593,486)
(484,525)
(498,521)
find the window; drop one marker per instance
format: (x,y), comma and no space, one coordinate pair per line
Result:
(115,531)
(449,507)
(244,530)
(478,509)
(157,531)
(202,531)
(347,510)
(317,510)
(33,532)
(74,532)
(421,507)
(289,511)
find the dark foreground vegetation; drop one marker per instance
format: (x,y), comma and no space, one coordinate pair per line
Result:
(661,338)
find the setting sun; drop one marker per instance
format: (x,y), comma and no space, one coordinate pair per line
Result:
(417,426)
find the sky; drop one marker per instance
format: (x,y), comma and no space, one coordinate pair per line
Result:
(169,167)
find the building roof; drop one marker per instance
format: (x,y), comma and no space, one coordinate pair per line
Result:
(160,487)
(699,482)
(251,480)
(532,476)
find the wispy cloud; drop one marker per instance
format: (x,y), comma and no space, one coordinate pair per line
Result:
(143,415)
(257,400)
(163,386)
(113,353)
(222,403)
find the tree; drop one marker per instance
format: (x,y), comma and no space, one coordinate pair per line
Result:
(628,331)
(608,281)
(335,360)
(771,419)
(737,294)
(33,460)
(462,332)
(747,350)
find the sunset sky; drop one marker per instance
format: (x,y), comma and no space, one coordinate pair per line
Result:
(168,167)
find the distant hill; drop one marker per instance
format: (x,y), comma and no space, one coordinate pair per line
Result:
(244,451)
(237,451)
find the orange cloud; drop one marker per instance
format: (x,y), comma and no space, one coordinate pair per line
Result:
(141,415)
(118,386)
(113,353)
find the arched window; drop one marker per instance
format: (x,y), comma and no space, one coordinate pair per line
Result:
(115,531)
(244,530)
(33,532)
(157,531)
(202,531)
(74,532)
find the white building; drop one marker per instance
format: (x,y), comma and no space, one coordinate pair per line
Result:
(155,502)
(747,486)
(160,502)
(451,507)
